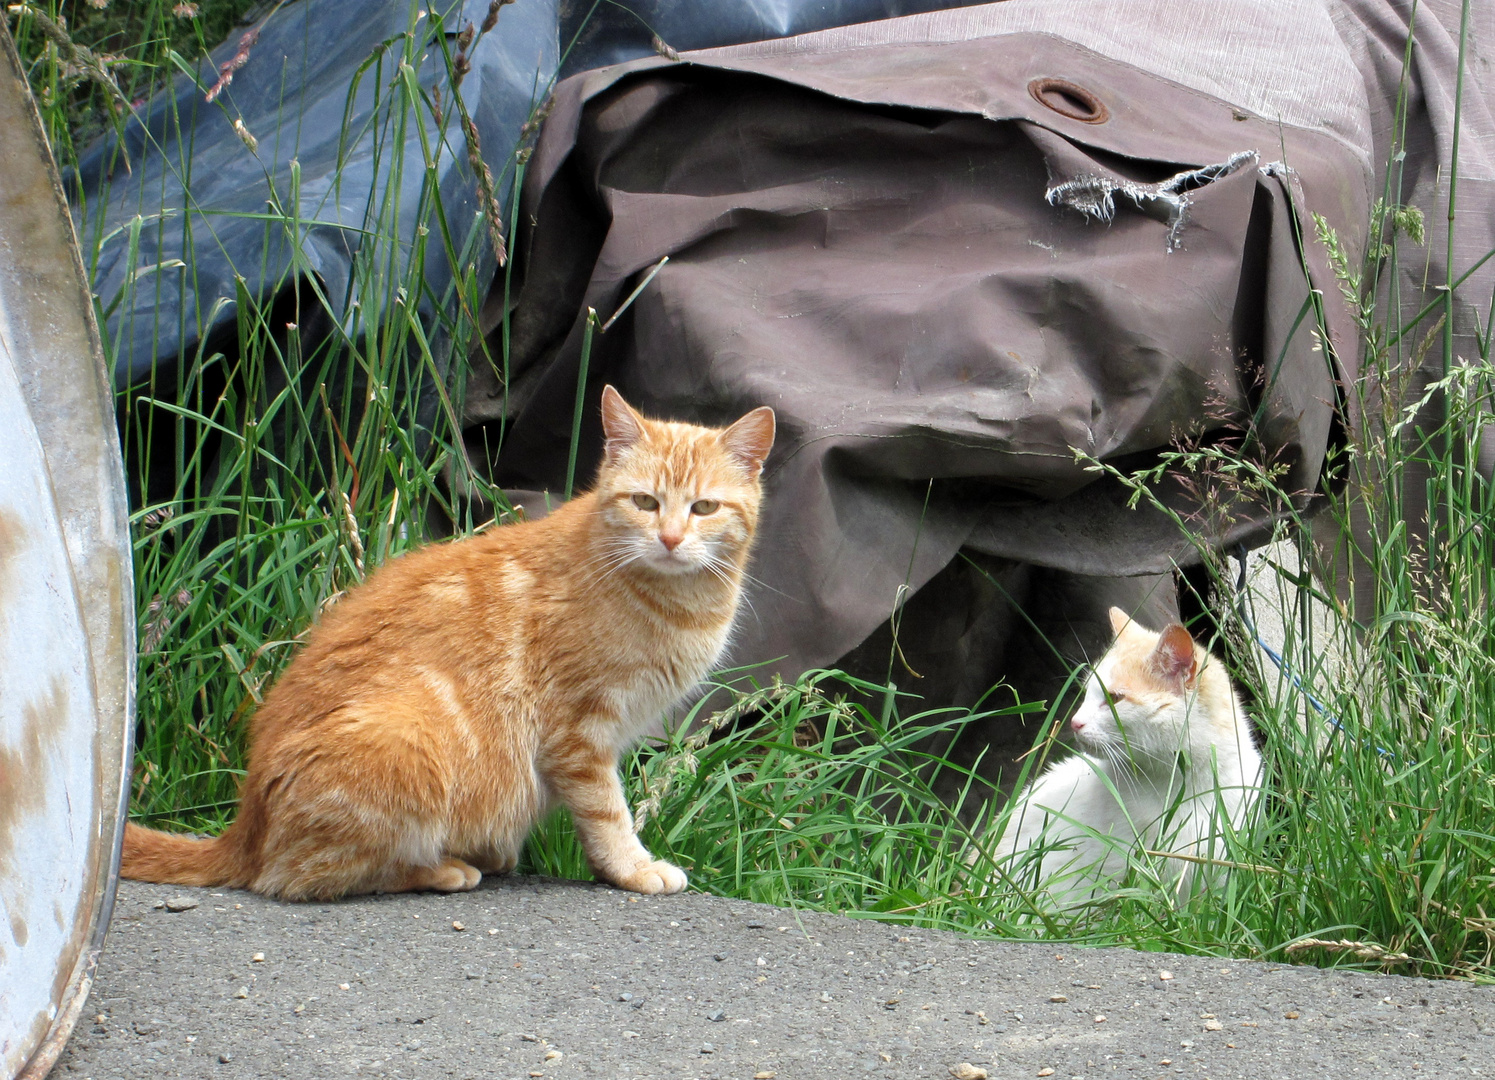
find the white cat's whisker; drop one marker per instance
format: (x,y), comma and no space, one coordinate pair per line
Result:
(718,567)
(600,572)
(610,550)
(764,585)
(616,553)
(619,565)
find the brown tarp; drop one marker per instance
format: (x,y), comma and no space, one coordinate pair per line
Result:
(950,254)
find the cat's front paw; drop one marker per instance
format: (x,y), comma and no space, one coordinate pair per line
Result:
(653,878)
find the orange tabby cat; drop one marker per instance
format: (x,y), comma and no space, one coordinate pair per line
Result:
(441,707)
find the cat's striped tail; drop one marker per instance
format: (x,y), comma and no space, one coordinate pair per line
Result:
(171,859)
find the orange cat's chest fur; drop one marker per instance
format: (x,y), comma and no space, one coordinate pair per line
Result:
(438,709)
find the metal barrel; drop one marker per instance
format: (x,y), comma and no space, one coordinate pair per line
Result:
(67,632)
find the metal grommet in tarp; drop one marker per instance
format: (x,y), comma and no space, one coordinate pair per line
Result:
(67,646)
(1069,99)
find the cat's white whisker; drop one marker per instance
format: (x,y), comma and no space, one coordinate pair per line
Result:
(763,584)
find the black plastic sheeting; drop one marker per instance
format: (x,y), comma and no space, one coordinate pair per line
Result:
(168,278)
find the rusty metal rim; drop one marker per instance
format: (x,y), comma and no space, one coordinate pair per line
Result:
(92,509)
(81,980)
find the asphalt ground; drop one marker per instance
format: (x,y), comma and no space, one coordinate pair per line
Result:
(530,977)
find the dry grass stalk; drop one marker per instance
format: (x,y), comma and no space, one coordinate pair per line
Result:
(1484,925)
(245,137)
(491,19)
(1364,950)
(79,61)
(355,540)
(247,42)
(226,70)
(162,611)
(486,189)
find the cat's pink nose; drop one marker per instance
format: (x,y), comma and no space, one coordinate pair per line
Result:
(670,540)
(1077,724)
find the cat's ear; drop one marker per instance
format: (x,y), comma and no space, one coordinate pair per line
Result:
(621,426)
(751,438)
(1174,657)
(1119,621)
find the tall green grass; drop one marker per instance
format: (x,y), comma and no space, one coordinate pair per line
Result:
(273,468)
(283,466)
(125,56)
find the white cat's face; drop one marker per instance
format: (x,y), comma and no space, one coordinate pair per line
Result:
(1138,701)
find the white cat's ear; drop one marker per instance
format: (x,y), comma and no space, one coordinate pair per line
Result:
(1174,657)
(1119,620)
(620,424)
(751,438)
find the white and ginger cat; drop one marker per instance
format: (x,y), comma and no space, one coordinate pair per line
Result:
(1166,761)
(441,707)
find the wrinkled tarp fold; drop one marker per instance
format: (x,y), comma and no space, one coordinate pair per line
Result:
(864,239)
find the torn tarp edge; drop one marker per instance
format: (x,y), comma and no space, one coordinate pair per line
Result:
(1094,196)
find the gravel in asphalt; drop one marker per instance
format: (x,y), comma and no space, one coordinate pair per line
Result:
(530,978)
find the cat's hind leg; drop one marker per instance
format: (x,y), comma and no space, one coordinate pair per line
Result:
(358,805)
(449,875)
(497,859)
(334,873)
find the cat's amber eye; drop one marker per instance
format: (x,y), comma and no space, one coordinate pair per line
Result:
(703,507)
(646,502)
